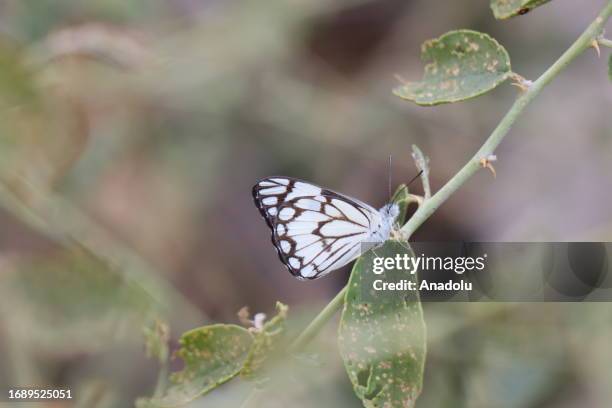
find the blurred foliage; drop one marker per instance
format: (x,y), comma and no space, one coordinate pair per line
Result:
(157,336)
(42,129)
(70,298)
(16,81)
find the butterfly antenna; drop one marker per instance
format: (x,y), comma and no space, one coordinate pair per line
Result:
(414,178)
(390,177)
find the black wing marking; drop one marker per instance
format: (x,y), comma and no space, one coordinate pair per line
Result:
(314,230)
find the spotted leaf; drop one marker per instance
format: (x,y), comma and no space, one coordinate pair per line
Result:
(461,65)
(382,334)
(212,355)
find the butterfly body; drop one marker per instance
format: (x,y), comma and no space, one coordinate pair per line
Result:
(316,230)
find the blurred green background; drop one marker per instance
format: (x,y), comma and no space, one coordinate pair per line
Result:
(131,133)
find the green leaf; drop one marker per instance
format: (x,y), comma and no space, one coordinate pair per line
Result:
(212,355)
(266,342)
(400,197)
(382,334)
(461,65)
(503,9)
(215,354)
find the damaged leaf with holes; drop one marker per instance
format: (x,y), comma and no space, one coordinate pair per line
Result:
(460,65)
(215,354)
(212,355)
(382,334)
(503,9)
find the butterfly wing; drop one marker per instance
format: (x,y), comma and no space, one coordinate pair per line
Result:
(314,230)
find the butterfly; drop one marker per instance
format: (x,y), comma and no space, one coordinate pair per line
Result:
(315,230)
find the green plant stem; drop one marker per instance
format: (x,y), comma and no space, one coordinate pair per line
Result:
(162,379)
(605,42)
(583,43)
(319,321)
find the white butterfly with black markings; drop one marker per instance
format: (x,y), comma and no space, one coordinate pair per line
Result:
(315,230)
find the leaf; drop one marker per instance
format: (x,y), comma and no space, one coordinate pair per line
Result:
(265,344)
(382,334)
(401,198)
(461,65)
(503,9)
(212,355)
(215,354)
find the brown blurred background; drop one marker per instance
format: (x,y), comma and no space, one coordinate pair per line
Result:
(147,123)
